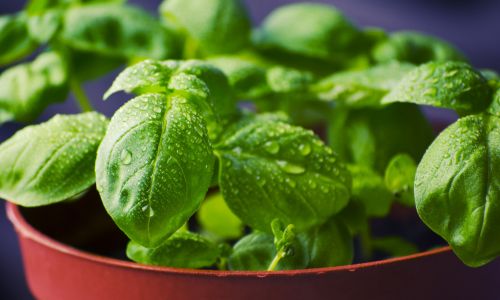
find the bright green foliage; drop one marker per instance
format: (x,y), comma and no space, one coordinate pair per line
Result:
(284,171)
(14,39)
(119,31)
(27,89)
(368,188)
(154,166)
(310,30)
(201,84)
(399,178)
(457,188)
(394,246)
(361,88)
(329,245)
(183,249)
(494,108)
(217,220)
(416,48)
(371,137)
(51,162)
(454,85)
(211,26)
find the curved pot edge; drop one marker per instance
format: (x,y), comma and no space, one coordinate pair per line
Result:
(23,228)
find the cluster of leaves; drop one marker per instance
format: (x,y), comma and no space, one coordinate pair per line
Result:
(279,198)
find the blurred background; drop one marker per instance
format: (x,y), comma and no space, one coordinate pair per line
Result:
(472,26)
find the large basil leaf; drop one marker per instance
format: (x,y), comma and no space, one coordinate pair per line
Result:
(454,85)
(415,48)
(217,220)
(51,162)
(154,166)
(212,26)
(309,29)
(119,31)
(272,170)
(203,85)
(457,188)
(329,245)
(27,89)
(371,137)
(361,88)
(14,38)
(183,249)
(256,251)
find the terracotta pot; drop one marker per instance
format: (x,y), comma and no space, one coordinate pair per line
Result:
(56,270)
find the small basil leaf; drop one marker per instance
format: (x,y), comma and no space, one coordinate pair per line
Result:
(14,38)
(288,80)
(368,188)
(399,178)
(309,29)
(51,162)
(27,89)
(154,166)
(415,48)
(119,31)
(42,27)
(256,251)
(212,26)
(248,79)
(274,170)
(217,220)
(393,246)
(361,88)
(454,85)
(330,245)
(371,137)
(183,249)
(494,108)
(456,188)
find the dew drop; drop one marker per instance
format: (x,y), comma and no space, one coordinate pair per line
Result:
(305,149)
(126,157)
(272,147)
(290,168)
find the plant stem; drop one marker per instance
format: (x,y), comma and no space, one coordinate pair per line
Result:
(276,260)
(80,96)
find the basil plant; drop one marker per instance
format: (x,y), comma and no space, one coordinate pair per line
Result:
(213,162)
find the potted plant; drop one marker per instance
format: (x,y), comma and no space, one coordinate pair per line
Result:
(245,193)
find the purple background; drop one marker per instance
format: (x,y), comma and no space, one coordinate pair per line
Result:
(474,26)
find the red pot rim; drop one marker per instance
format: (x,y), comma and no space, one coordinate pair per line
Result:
(25,229)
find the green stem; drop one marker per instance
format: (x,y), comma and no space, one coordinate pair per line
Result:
(276,260)
(80,96)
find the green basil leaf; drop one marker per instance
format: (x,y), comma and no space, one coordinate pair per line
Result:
(217,220)
(494,108)
(248,79)
(87,65)
(27,89)
(203,85)
(256,251)
(309,29)
(330,245)
(399,178)
(371,137)
(369,188)
(454,85)
(41,6)
(119,31)
(272,170)
(43,27)
(456,188)
(288,80)
(14,38)
(361,88)
(51,162)
(154,166)
(183,249)
(212,26)
(416,48)
(394,246)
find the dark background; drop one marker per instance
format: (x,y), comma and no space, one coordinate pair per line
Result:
(473,26)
